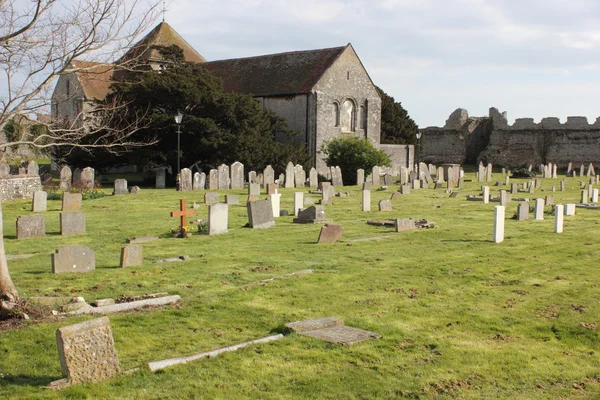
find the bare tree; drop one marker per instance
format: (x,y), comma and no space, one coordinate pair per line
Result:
(39,42)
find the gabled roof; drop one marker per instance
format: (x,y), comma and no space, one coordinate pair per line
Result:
(94,78)
(162,35)
(275,74)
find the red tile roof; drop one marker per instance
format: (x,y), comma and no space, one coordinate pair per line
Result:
(95,78)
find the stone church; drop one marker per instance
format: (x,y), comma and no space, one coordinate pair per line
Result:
(322,93)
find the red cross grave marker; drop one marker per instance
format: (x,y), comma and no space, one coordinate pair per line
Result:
(183,213)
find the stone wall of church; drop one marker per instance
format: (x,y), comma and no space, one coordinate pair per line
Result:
(294,109)
(67,99)
(401,155)
(467,140)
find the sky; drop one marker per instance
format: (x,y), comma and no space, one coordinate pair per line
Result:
(530,58)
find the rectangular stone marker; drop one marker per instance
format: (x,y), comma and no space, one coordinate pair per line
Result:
(385,205)
(298,202)
(366,200)
(499,212)
(569,209)
(486,194)
(232,199)
(71,201)
(88,178)
(73,258)
(503,198)
(120,187)
(254,189)
(131,255)
(260,214)
(275,199)
(405,189)
(237,175)
(330,233)
(196,181)
(160,180)
(40,201)
(558,218)
(360,176)
(539,209)
(312,214)
(268,176)
(513,188)
(87,351)
(218,218)
(367,186)
(31,226)
(523,211)
(299,176)
(72,223)
(223,177)
(405,224)
(213,179)
(211,197)
(584,196)
(595,196)
(328,194)
(387,180)
(562,186)
(332,330)
(289,175)
(336,177)
(185,180)
(375,175)
(313,178)
(272,188)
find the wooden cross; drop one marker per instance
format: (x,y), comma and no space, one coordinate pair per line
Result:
(183,213)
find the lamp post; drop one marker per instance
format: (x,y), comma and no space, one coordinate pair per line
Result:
(178,119)
(418,150)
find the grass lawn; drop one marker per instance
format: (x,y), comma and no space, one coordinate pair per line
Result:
(460,316)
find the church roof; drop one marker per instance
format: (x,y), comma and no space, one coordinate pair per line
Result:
(289,73)
(162,35)
(94,78)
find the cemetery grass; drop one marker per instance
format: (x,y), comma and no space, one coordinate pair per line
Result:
(460,316)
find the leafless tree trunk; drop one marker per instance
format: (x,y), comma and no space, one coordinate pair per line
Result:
(39,39)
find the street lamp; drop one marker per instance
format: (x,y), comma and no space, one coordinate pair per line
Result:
(419,134)
(178,119)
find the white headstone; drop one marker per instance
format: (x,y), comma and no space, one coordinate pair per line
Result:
(218,216)
(539,209)
(366,200)
(298,202)
(275,203)
(486,194)
(289,175)
(237,175)
(558,218)
(499,212)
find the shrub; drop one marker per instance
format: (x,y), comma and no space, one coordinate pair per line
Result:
(522,173)
(12,130)
(352,153)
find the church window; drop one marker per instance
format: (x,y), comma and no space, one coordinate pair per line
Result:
(347,116)
(336,114)
(363,116)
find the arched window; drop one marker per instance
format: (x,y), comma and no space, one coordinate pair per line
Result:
(336,114)
(347,116)
(363,116)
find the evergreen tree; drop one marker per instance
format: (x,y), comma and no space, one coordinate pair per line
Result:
(397,127)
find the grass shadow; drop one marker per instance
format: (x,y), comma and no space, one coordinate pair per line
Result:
(26,380)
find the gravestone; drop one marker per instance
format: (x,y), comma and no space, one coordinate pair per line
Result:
(134,190)
(185,180)
(366,200)
(396,196)
(40,201)
(33,168)
(549,200)
(237,175)
(260,214)
(213,179)
(76,179)
(232,199)
(360,176)
(202,181)
(281,180)
(486,194)
(523,211)
(313,178)
(387,180)
(405,224)
(71,201)
(223,177)
(218,218)
(594,196)
(120,187)
(539,210)
(498,235)
(581,170)
(336,177)
(73,258)
(299,176)
(481,172)
(289,175)
(405,189)
(272,188)
(562,185)
(211,197)
(403,175)
(513,188)
(252,177)
(268,175)
(160,180)
(375,175)
(569,209)
(328,194)
(558,218)
(88,178)
(196,181)
(254,189)
(31,226)
(298,202)
(311,215)
(503,198)
(330,233)
(260,180)
(385,205)
(275,199)
(87,351)
(367,186)
(584,197)
(65,178)
(72,223)
(4,169)
(131,255)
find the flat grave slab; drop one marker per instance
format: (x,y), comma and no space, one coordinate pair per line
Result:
(331,329)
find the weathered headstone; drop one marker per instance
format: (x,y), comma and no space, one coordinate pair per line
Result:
(330,233)
(539,209)
(312,214)
(120,187)
(360,176)
(202,181)
(223,177)
(88,176)
(299,176)
(523,211)
(4,169)
(405,224)
(594,196)
(375,175)
(336,177)
(40,201)
(385,205)
(584,196)
(232,199)
(33,168)
(313,178)
(327,195)
(87,351)
(73,258)
(252,178)
(366,200)
(486,194)
(569,209)
(160,180)
(72,223)
(503,198)
(31,226)
(387,180)
(289,175)
(558,218)
(65,178)
(254,189)
(275,199)
(71,201)
(405,189)
(498,235)
(268,175)
(131,255)
(218,218)
(298,202)
(134,190)
(237,175)
(213,179)
(211,197)
(76,179)
(185,180)
(260,214)
(196,181)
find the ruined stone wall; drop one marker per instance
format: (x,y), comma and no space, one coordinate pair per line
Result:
(401,155)
(14,187)
(491,139)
